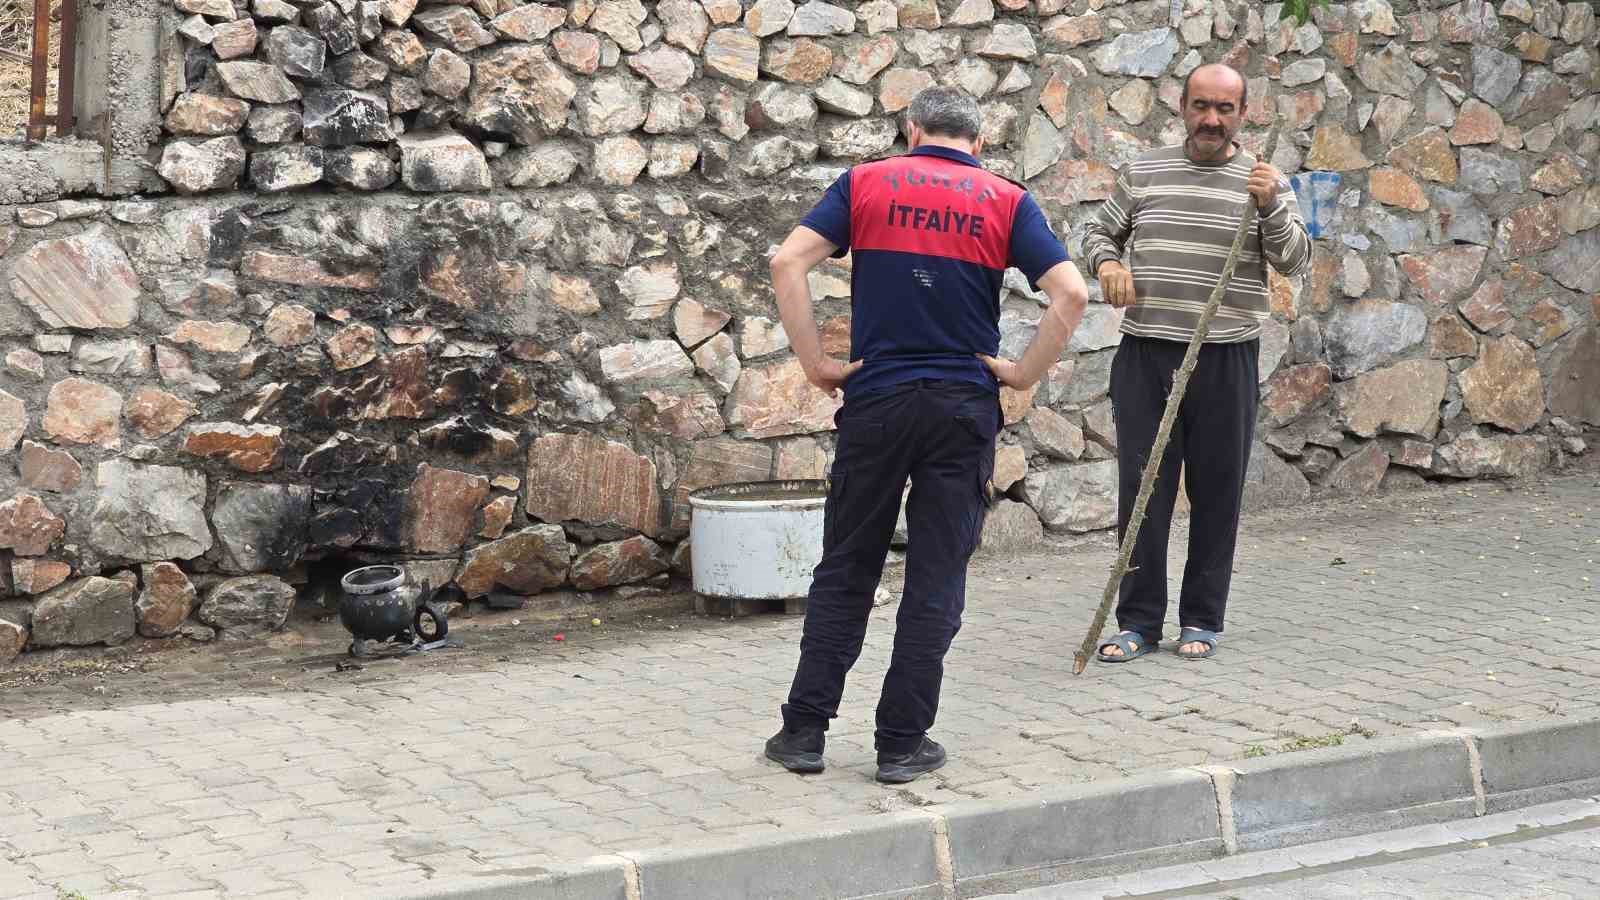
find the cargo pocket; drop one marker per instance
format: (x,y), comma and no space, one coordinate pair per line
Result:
(854,456)
(838,484)
(983,434)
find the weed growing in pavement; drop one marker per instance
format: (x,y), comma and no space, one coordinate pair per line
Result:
(1309,742)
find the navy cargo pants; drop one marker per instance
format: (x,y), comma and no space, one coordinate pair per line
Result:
(1210,445)
(940,434)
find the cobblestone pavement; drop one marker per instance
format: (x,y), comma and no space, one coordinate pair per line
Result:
(1551,852)
(1445,606)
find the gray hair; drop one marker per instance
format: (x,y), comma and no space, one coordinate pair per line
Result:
(947,112)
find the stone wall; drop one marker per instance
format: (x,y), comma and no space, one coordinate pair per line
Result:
(484,284)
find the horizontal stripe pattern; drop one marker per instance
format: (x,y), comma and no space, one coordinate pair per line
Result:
(1176,219)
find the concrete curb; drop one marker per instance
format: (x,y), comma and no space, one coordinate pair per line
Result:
(1316,795)
(1145,821)
(972,848)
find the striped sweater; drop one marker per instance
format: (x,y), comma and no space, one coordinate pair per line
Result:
(1176,219)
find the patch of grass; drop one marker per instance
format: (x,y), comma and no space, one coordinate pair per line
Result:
(1314,742)
(1309,741)
(68,894)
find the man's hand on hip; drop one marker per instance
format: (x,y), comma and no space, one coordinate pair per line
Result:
(1264,185)
(1116,283)
(1006,371)
(829,374)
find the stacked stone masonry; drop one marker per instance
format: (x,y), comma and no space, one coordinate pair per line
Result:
(483,285)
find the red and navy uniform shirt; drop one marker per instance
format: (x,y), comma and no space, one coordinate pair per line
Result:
(931,234)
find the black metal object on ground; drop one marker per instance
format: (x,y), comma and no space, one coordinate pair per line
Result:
(385,615)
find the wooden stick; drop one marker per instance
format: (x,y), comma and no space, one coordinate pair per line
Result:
(1180,383)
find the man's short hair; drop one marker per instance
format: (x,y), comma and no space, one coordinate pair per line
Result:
(1244,91)
(947,112)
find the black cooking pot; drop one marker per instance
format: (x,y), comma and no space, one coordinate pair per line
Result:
(378,605)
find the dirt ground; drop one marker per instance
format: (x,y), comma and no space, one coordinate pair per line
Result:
(313,647)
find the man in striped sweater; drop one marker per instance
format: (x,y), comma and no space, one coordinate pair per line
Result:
(1173,216)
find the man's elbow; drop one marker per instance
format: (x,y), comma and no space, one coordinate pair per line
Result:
(1294,265)
(1069,304)
(785,262)
(1078,294)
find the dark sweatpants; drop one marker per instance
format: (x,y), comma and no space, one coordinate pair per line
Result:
(941,434)
(1211,446)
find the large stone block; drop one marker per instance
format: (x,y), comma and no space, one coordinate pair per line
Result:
(149,512)
(443,161)
(248,448)
(1576,262)
(519,92)
(1367,333)
(28,527)
(45,469)
(261,527)
(716,462)
(1474,455)
(457,27)
(1403,398)
(1575,382)
(1290,393)
(642,360)
(527,562)
(260,82)
(1011,527)
(87,611)
(79,411)
(85,281)
(441,508)
(1503,387)
(619,562)
(588,479)
(1269,482)
(1145,54)
(776,400)
(166,599)
(248,607)
(1077,498)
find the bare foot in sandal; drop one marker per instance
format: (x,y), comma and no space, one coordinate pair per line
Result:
(1198,643)
(1124,646)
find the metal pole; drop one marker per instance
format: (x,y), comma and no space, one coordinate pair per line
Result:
(41,69)
(68,68)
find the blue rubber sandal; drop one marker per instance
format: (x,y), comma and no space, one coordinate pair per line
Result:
(1197,636)
(1124,642)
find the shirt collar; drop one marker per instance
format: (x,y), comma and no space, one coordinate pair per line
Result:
(953,155)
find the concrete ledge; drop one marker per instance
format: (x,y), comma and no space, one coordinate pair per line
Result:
(869,857)
(1316,795)
(600,878)
(1082,831)
(1528,764)
(1085,831)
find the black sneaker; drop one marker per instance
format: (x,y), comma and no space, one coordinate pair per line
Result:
(901,768)
(798,751)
